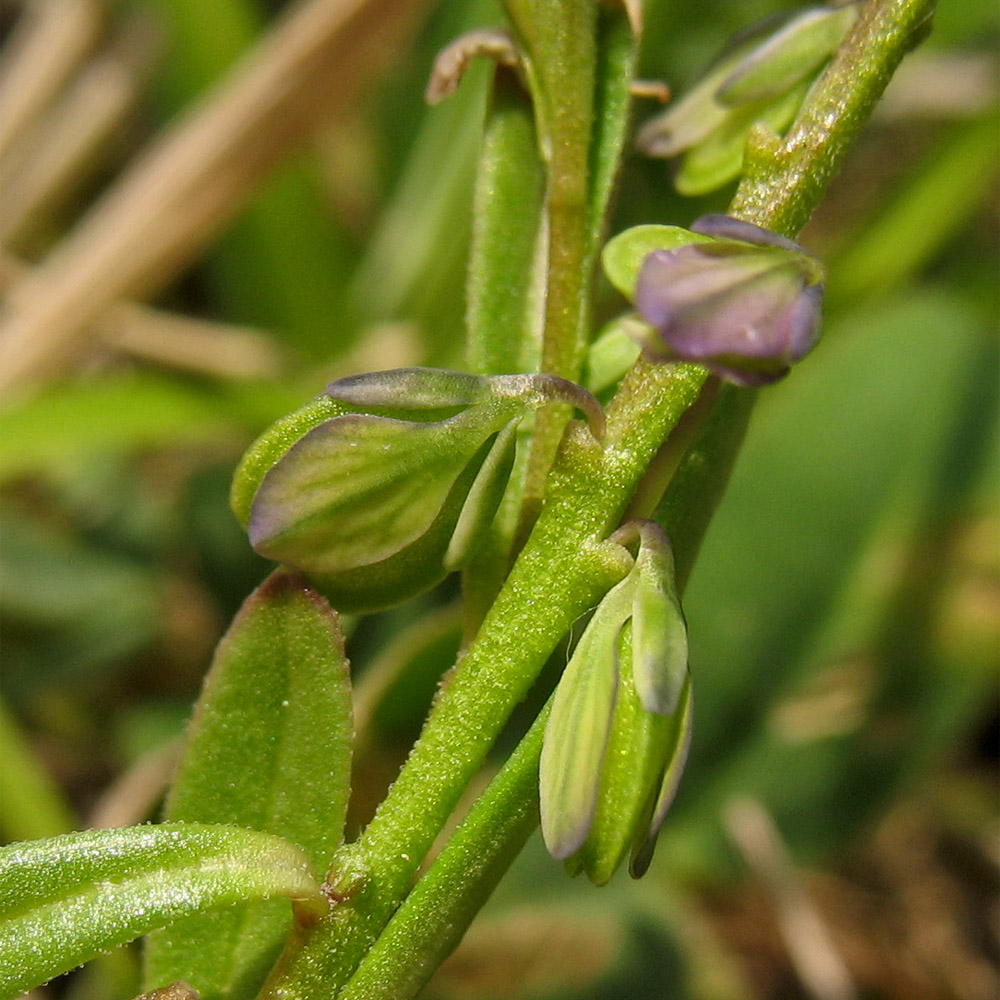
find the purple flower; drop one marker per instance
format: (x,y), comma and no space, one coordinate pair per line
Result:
(746,305)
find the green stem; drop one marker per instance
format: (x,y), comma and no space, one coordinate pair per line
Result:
(435,915)
(561,57)
(565,565)
(564,569)
(785,179)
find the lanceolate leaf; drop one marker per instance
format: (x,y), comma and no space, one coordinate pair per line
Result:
(68,899)
(270,749)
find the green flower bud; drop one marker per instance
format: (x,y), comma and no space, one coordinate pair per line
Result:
(382,486)
(762,78)
(617,736)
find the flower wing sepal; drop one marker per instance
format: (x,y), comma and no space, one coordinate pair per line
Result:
(383,485)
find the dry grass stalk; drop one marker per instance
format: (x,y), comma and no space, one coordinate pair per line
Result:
(63,148)
(818,963)
(199,346)
(50,41)
(187,185)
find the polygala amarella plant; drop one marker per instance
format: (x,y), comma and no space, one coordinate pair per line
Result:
(387,482)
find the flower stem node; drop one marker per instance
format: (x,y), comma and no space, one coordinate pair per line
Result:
(618,733)
(380,487)
(741,300)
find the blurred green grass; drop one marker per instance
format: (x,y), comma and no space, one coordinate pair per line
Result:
(843,612)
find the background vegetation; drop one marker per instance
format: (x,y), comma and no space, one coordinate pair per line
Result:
(185,258)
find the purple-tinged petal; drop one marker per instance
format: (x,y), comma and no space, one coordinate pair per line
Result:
(744,310)
(729,228)
(410,389)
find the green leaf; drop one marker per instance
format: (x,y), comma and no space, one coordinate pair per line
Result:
(65,900)
(269,749)
(69,605)
(32,804)
(617,46)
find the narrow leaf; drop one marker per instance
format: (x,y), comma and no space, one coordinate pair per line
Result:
(503,310)
(617,47)
(32,803)
(68,899)
(269,748)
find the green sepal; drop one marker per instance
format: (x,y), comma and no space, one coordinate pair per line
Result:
(576,734)
(623,255)
(366,501)
(405,392)
(637,745)
(788,56)
(271,446)
(358,488)
(615,740)
(718,158)
(68,899)
(411,570)
(687,121)
(676,740)
(613,352)
(659,632)
(483,498)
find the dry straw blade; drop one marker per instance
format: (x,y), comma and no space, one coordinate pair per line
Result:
(183,189)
